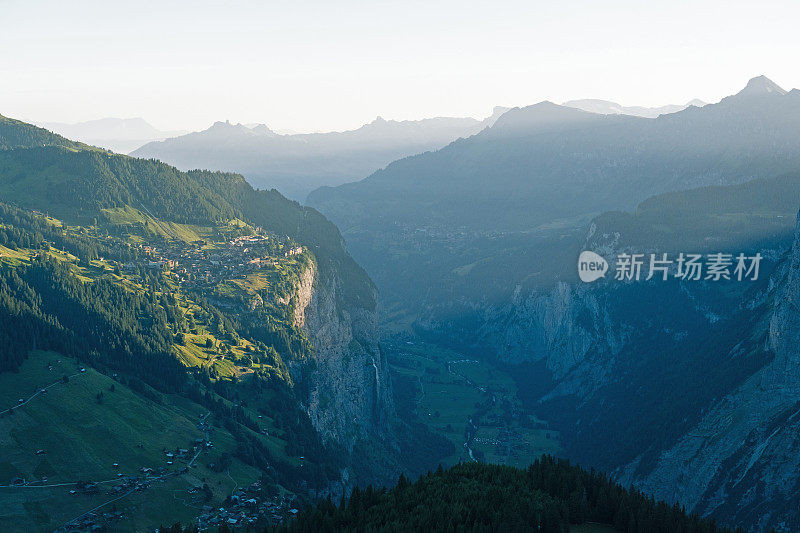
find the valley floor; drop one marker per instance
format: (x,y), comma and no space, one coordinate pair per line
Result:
(471,402)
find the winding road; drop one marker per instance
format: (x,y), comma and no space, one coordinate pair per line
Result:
(38,392)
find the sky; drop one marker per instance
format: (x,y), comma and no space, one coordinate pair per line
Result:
(334,65)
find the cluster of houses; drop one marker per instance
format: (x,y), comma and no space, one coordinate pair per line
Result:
(297,250)
(100,521)
(129,483)
(94,521)
(180,453)
(195,264)
(125,484)
(247,507)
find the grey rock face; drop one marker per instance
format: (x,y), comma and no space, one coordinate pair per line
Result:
(350,396)
(741,460)
(566,327)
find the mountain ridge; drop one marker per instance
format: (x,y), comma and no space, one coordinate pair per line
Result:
(298,163)
(606,107)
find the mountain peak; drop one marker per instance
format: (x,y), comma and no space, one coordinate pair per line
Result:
(219,125)
(544,114)
(761,86)
(262,129)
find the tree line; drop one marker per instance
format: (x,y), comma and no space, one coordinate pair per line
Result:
(550,496)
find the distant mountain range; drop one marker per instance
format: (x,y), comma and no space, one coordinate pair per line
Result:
(120,135)
(604,107)
(546,161)
(539,173)
(297,164)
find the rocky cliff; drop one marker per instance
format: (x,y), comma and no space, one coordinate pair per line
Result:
(740,460)
(566,327)
(350,396)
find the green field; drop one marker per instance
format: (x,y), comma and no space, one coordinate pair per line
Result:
(81,439)
(458,396)
(141,226)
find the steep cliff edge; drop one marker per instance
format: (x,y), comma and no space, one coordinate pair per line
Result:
(740,460)
(350,395)
(567,327)
(567,330)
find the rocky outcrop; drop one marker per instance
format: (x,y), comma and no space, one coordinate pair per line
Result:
(304,291)
(350,396)
(567,327)
(740,461)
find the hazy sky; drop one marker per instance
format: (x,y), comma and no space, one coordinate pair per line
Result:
(338,64)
